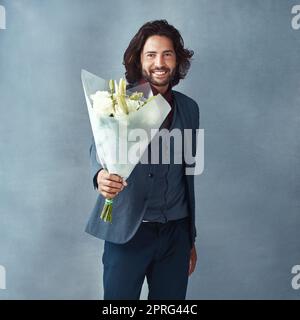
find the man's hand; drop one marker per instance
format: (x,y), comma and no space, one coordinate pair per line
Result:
(193,260)
(109,185)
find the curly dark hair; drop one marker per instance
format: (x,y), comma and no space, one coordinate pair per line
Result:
(131,58)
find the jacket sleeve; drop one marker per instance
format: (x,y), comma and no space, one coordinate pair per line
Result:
(191,143)
(94,164)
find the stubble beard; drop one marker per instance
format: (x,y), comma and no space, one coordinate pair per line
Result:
(150,78)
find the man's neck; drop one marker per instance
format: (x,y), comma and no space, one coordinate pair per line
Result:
(157,89)
(160,89)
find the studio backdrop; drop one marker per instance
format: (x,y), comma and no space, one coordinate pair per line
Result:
(245,77)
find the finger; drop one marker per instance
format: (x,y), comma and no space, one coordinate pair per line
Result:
(192,266)
(115,177)
(112,184)
(191,270)
(110,189)
(108,195)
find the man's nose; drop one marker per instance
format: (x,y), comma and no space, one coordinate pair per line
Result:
(159,61)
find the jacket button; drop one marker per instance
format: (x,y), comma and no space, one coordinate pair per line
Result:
(150,175)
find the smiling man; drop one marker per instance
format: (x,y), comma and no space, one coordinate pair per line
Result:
(158,60)
(154,236)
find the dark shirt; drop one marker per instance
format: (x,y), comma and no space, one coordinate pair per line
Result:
(167,198)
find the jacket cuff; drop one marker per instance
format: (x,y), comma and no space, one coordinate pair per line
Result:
(95,183)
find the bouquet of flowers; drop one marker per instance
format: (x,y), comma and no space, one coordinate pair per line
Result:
(123,124)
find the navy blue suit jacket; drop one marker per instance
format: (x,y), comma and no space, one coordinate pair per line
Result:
(130,204)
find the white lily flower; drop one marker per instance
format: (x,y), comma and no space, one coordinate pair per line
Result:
(132,112)
(102,103)
(132,105)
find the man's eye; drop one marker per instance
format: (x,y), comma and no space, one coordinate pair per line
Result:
(150,55)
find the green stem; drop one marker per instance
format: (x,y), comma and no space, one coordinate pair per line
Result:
(106,213)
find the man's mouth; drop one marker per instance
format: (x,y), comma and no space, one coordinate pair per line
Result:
(160,73)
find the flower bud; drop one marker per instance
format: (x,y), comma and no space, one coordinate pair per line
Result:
(112,86)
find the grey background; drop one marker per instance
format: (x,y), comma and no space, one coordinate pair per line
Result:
(245,78)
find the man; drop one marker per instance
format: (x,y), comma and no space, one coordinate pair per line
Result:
(153,230)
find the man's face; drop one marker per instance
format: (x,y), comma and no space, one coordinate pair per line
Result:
(158,62)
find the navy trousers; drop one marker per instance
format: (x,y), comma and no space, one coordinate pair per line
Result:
(158,251)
